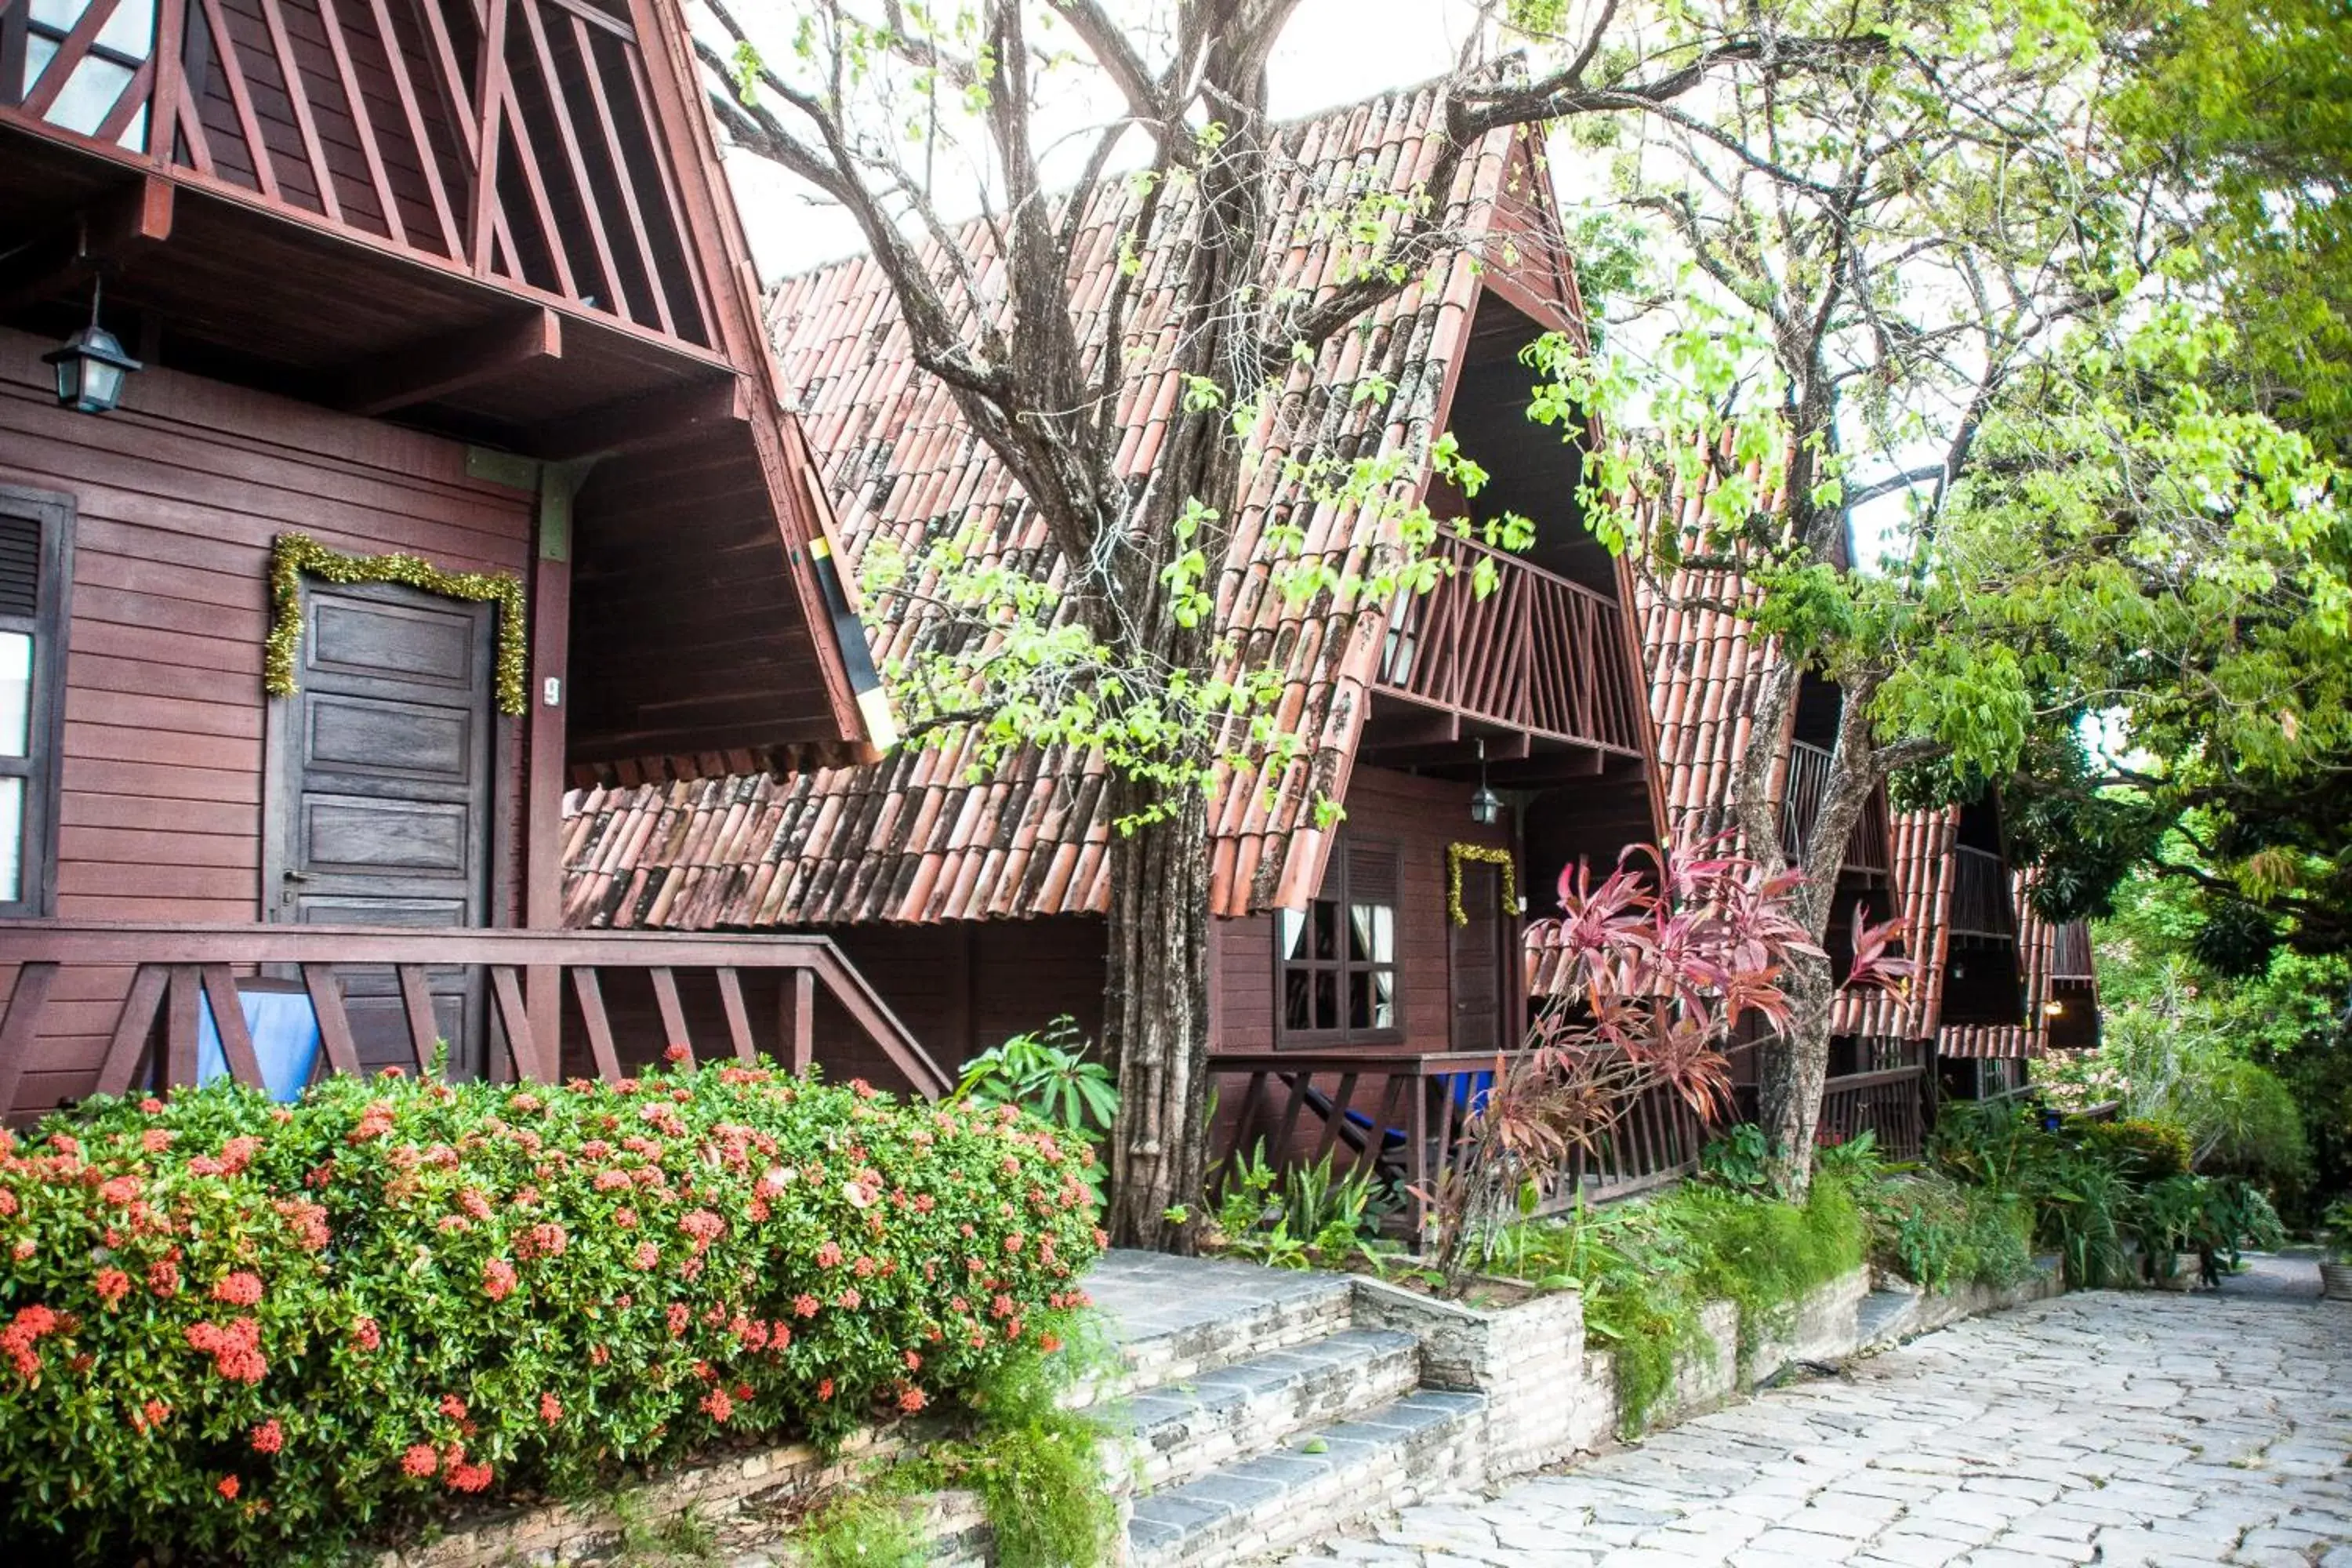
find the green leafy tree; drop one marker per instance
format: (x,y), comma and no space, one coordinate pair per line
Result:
(1109,644)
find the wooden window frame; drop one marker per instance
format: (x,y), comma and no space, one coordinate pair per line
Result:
(1336,889)
(42,768)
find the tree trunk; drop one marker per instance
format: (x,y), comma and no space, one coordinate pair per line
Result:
(1792,1068)
(1156,1019)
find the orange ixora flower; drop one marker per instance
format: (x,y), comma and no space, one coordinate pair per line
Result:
(269,1437)
(229,1487)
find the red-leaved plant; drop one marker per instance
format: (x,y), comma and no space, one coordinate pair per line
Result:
(1646,978)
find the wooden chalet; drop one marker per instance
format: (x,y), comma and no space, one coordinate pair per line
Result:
(455,463)
(1999,983)
(1363,973)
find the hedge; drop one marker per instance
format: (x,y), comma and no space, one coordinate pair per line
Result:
(236,1330)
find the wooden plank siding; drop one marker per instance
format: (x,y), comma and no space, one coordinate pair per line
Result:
(177,497)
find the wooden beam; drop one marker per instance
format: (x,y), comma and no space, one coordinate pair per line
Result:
(648,419)
(109,232)
(448,362)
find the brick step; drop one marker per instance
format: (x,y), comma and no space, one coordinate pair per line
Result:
(1179,1317)
(1400,1452)
(1182,1429)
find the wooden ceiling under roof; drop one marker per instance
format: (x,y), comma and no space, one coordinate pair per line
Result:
(503,223)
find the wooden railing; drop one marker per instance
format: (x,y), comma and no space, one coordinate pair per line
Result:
(409,983)
(2070,961)
(1980,900)
(517,141)
(1889,1104)
(1403,1116)
(1800,808)
(1539,653)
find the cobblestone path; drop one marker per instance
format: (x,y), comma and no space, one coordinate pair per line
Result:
(2108,1428)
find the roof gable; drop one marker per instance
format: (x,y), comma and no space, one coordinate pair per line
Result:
(916,836)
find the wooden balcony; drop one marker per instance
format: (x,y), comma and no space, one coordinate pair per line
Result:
(381,203)
(122,1001)
(1800,808)
(1539,655)
(1981,905)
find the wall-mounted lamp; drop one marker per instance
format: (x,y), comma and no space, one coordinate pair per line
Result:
(91,366)
(1485,805)
(2053,1009)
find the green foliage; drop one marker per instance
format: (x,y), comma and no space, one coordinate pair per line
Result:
(1646,1269)
(1037,1466)
(1741,1158)
(236,1329)
(1942,1234)
(2093,1190)
(2152,1150)
(1052,1075)
(1301,1217)
(863,1527)
(2178,1047)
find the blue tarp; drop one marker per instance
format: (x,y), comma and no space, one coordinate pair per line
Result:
(285,1030)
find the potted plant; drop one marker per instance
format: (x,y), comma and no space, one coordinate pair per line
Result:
(2336,1267)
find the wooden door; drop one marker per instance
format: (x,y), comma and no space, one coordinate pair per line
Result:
(1479,948)
(381,790)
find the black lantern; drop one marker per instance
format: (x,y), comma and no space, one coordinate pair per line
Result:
(1485,805)
(91,366)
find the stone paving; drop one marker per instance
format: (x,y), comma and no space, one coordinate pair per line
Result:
(2108,1427)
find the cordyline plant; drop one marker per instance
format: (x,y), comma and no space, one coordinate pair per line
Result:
(1657,969)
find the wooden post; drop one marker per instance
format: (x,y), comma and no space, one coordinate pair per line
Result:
(551,652)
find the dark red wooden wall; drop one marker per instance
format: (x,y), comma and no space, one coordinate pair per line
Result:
(177,497)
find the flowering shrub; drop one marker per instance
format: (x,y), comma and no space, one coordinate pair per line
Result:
(228,1328)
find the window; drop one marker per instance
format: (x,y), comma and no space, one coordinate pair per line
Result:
(35,571)
(1336,959)
(92,93)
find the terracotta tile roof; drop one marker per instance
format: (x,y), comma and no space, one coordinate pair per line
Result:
(1926,863)
(915,837)
(1923,871)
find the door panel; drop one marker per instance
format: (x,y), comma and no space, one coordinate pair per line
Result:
(1476,954)
(381,791)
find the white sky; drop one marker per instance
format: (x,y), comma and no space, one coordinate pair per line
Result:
(1335,51)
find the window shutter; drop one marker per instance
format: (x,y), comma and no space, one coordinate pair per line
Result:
(20,564)
(1372,872)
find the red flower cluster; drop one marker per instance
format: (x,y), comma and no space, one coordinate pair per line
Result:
(235,1349)
(241,1288)
(17,1340)
(269,1437)
(497,1279)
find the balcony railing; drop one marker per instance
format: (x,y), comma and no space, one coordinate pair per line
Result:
(1981,897)
(517,141)
(1403,1117)
(1800,808)
(389,996)
(1538,654)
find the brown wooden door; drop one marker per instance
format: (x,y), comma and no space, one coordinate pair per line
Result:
(381,792)
(1477,951)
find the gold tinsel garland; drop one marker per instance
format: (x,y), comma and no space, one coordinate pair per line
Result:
(1457,853)
(293,555)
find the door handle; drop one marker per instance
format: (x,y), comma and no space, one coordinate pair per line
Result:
(298,876)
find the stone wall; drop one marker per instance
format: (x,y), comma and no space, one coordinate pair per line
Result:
(1526,1359)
